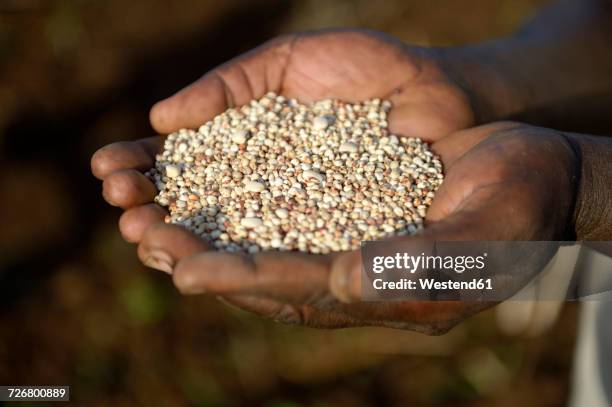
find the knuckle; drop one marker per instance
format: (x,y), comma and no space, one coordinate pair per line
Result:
(154,232)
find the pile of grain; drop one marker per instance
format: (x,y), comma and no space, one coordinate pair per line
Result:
(279,175)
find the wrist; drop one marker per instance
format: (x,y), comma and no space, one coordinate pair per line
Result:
(592,217)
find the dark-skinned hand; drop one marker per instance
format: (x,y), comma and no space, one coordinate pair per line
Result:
(503,181)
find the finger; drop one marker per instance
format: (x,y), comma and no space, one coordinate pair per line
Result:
(427,317)
(421,118)
(454,146)
(290,277)
(138,155)
(477,219)
(163,245)
(234,83)
(135,221)
(128,188)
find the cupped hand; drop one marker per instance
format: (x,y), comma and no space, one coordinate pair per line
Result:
(503,181)
(428,101)
(483,171)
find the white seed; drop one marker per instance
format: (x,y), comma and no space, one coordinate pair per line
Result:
(173,171)
(348,147)
(310,174)
(320,123)
(254,186)
(251,223)
(240,136)
(282,213)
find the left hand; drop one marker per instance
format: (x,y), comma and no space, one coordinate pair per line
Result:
(504,181)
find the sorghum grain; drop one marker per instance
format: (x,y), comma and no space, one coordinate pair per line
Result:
(277,174)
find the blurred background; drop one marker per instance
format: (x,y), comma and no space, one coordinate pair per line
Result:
(76,307)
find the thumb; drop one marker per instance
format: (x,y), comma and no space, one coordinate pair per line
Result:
(234,83)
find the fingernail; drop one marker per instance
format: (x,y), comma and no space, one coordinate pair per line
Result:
(159,260)
(338,284)
(342,276)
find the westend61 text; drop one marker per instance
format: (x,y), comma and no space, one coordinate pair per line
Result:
(432,284)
